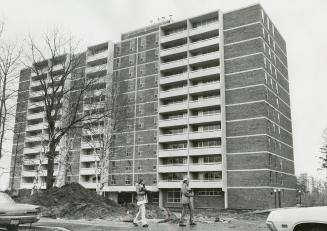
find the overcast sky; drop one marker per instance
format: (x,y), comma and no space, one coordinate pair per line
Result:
(302,24)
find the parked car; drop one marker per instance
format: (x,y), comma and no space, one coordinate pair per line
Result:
(298,219)
(13,214)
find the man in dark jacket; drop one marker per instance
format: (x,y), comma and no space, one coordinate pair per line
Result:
(187,194)
(142,199)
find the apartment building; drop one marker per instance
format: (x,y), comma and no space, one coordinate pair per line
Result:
(205,97)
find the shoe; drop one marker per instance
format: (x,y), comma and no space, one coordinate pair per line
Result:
(146,225)
(135,224)
(182,225)
(192,223)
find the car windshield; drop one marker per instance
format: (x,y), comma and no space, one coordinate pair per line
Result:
(5,199)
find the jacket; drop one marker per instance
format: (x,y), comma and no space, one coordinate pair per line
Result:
(141,193)
(186,194)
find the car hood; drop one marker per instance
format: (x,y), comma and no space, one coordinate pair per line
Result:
(17,207)
(317,214)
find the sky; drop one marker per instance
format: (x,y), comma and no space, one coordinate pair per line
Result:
(302,24)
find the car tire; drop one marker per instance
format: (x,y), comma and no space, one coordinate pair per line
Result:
(311,227)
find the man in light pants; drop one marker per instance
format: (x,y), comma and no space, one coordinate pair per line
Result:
(187,194)
(141,201)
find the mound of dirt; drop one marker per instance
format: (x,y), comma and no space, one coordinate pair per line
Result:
(72,201)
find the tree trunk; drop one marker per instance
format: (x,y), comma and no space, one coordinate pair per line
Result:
(50,168)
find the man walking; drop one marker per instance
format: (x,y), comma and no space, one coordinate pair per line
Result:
(142,199)
(186,202)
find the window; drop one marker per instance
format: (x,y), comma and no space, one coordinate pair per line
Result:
(143,56)
(270,177)
(277,102)
(113,180)
(140,109)
(143,42)
(130,86)
(127,180)
(154,138)
(281,164)
(140,123)
(264,47)
(266,79)
(128,165)
(128,153)
(209,192)
(174,196)
(132,45)
(268,24)
(265,62)
(131,59)
(141,82)
(140,166)
(156,53)
(113,165)
(155,121)
(140,139)
(212,175)
(118,49)
(278,117)
(131,71)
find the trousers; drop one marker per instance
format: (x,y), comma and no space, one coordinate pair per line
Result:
(142,213)
(185,207)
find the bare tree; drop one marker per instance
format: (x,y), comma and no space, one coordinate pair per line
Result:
(9,64)
(58,65)
(323,151)
(103,129)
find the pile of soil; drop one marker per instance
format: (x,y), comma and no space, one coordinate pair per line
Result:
(72,201)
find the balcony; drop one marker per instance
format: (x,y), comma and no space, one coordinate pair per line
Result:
(205,118)
(204,87)
(172,137)
(204,57)
(32,173)
(36,149)
(101,55)
(169,184)
(32,105)
(173,107)
(90,132)
(172,152)
(205,151)
(205,102)
(31,185)
(173,50)
(89,171)
(36,138)
(205,167)
(204,43)
(89,158)
(204,28)
(35,127)
(173,78)
(204,135)
(94,69)
(173,92)
(39,115)
(173,64)
(174,36)
(173,168)
(204,72)
(206,184)
(89,185)
(172,122)
(88,145)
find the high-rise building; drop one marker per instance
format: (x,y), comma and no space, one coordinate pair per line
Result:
(205,97)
